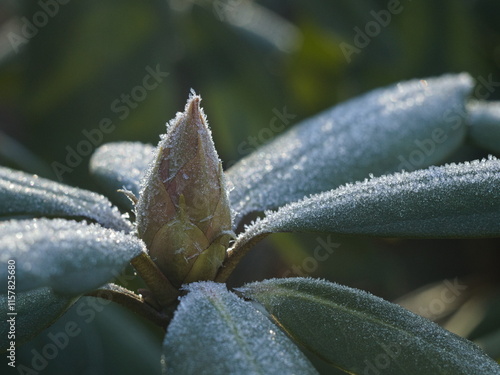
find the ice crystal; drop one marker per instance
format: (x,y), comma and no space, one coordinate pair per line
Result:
(68,256)
(23,194)
(216,332)
(374,133)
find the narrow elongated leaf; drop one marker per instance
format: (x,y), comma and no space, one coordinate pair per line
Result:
(95,337)
(22,194)
(456,200)
(364,334)
(216,332)
(408,126)
(68,256)
(121,165)
(484,121)
(29,313)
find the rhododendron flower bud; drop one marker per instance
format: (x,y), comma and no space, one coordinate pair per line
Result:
(183,212)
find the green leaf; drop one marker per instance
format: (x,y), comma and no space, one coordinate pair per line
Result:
(34,311)
(93,337)
(22,194)
(364,334)
(456,200)
(215,332)
(484,121)
(121,165)
(68,256)
(408,126)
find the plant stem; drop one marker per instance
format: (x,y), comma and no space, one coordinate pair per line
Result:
(131,301)
(164,292)
(235,254)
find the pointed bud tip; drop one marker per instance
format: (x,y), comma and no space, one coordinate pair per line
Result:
(193,109)
(194,117)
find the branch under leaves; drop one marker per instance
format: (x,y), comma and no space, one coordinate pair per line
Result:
(133,302)
(161,288)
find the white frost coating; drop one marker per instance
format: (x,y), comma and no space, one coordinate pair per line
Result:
(121,165)
(36,309)
(216,332)
(344,144)
(351,328)
(174,136)
(484,121)
(68,256)
(456,200)
(23,194)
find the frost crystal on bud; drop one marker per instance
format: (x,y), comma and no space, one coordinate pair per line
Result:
(183,212)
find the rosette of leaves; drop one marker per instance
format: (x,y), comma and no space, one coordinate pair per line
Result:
(67,243)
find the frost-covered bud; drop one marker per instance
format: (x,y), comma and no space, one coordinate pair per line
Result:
(183,212)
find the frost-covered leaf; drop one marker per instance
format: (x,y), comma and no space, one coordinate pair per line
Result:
(94,337)
(484,121)
(456,200)
(215,332)
(408,126)
(121,165)
(68,256)
(365,334)
(34,311)
(22,194)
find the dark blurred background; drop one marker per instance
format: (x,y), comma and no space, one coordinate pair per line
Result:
(67,66)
